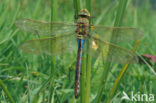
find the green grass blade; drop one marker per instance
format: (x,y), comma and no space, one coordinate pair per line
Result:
(43,86)
(120,13)
(6,91)
(103,82)
(88,75)
(36,10)
(53,10)
(118,22)
(83,80)
(76,8)
(120,76)
(88,65)
(88,5)
(53,66)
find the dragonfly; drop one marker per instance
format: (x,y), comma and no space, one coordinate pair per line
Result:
(69,37)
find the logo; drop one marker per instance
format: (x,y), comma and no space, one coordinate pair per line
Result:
(138,97)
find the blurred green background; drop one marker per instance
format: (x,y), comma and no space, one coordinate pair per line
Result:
(24,74)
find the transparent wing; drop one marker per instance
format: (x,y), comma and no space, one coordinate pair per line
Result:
(51,45)
(109,52)
(116,34)
(45,28)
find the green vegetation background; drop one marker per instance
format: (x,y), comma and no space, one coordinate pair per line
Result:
(24,74)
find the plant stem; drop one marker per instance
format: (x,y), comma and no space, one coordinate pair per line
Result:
(119,18)
(88,66)
(120,13)
(6,91)
(76,8)
(43,86)
(118,22)
(53,46)
(88,73)
(83,79)
(53,10)
(120,76)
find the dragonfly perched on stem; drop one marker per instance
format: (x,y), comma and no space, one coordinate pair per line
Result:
(69,37)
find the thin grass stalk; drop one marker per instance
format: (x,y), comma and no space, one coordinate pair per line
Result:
(76,8)
(120,76)
(119,18)
(83,80)
(88,65)
(6,91)
(118,22)
(44,96)
(103,82)
(28,83)
(53,10)
(36,9)
(53,46)
(43,86)
(120,13)
(83,72)
(88,5)
(88,74)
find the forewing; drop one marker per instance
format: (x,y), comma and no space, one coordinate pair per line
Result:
(116,34)
(45,28)
(51,45)
(109,52)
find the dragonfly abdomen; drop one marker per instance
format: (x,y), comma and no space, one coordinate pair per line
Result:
(78,65)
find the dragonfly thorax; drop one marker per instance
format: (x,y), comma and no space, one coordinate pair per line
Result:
(82,27)
(82,24)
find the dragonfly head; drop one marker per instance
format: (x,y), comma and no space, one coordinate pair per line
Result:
(84,13)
